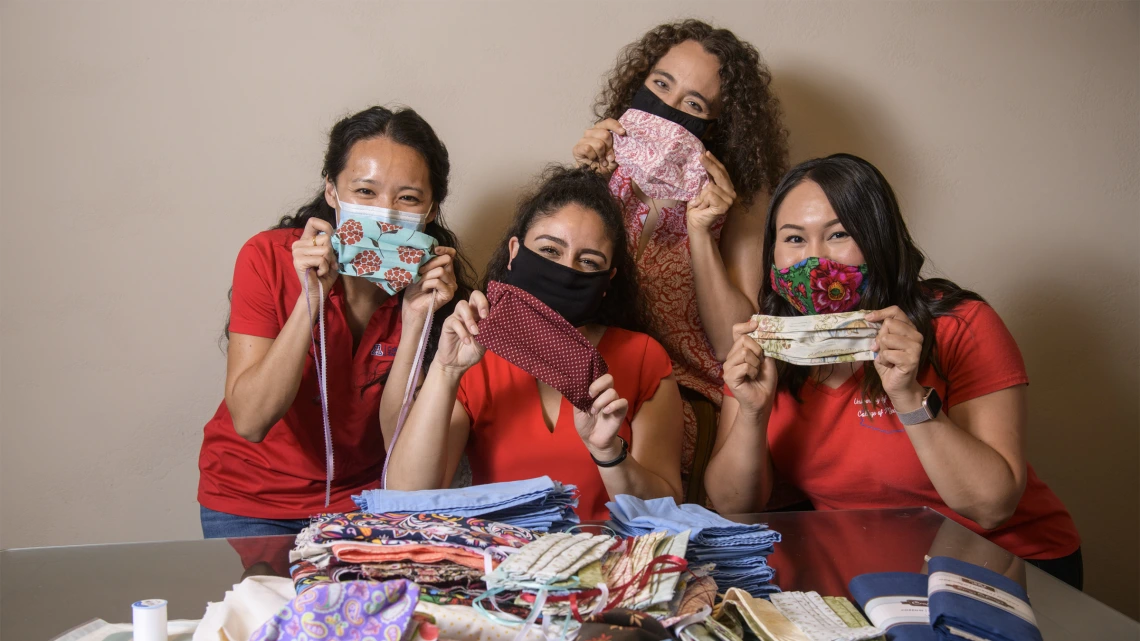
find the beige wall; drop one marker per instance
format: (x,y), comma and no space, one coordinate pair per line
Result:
(144,142)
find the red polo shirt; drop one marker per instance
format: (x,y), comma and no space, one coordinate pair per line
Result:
(283,477)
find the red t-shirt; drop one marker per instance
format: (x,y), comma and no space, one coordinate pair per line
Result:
(509,439)
(283,477)
(843,458)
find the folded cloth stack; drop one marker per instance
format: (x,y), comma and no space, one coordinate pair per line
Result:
(738,551)
(563,578)
(789,616)
(446,556)
(539,504)
(958,600)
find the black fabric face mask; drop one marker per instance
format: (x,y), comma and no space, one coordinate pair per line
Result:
(575,295)
(649,102)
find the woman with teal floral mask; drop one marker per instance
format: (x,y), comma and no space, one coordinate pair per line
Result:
(937,418)
(323,310)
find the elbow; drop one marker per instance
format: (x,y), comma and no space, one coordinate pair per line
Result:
(990,514)
(249,432)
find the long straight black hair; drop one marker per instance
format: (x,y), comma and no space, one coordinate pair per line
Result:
(408,128)
(866,206)
(557,187)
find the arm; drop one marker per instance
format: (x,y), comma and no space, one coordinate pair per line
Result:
(432,441)
(974,453)
(652,469)
(264,374)
(438,279)
(739,475)
(726,277)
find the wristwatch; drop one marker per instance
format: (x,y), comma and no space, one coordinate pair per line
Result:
(928,411)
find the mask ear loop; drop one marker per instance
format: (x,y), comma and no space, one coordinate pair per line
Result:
(320,361)
(409,389)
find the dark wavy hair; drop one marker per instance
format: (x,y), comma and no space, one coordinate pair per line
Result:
(559,186)
(408,128)
(748,136)
(866,206)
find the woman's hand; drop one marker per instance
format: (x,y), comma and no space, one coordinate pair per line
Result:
(899,347)
(715,199)
(314,251)
(749,373)
(599,427)
(596,148)
(436,276)
(458,350)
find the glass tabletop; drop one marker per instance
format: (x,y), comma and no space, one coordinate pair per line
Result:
(47,591)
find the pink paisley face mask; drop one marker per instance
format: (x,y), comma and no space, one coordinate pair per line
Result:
(662,156)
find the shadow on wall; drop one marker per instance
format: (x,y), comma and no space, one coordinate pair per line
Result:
(1078,445)
(826,113)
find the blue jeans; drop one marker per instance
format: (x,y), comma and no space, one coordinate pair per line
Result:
(220,525)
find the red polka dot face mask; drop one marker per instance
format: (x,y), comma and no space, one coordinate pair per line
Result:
(536,339)
(385,246)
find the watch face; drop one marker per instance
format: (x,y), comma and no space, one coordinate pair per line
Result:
(933,403)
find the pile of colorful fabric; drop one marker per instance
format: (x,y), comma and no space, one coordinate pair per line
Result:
(446,556)
(736,552)
(539,504)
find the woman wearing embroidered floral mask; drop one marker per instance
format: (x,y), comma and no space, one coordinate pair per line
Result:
(311,337)
(930,410)
(691,133)
(565,249)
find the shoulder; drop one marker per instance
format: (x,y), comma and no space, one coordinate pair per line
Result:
(971,319)
(268,249)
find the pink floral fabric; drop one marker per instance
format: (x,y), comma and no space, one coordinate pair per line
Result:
(663,157)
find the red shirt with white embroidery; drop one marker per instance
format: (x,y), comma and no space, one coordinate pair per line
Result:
(283,477)
(847,457)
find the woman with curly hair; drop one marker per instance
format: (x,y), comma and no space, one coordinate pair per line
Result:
(698,261)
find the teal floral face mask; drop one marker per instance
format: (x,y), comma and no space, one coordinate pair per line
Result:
(821,285)
(385,246)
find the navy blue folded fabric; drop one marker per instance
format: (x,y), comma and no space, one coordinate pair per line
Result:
(896,602)
(739,550)
(982,603)
(536,504)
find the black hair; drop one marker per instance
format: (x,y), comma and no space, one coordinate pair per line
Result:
(559,186)
(868,210)
(408,128)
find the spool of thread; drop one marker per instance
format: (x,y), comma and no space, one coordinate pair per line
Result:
(149,620)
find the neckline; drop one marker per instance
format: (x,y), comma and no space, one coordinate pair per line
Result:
(844,389)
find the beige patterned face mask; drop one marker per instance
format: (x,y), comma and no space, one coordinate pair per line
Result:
(817,340)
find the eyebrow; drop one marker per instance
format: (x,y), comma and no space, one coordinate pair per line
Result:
(562,243)
(668,76)
(369,181)
(791,226)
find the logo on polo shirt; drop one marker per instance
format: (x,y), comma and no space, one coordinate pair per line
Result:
(384,350)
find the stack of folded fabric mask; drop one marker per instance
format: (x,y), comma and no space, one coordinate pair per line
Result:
(738,551)
(564,577)
(959,600)
(790,616)
(446,556)
(539,504)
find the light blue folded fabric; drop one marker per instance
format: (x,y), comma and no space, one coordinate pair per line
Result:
(979,602)
(536,504)
(898,604)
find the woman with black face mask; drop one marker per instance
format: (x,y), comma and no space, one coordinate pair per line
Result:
(697,250)
(566,247)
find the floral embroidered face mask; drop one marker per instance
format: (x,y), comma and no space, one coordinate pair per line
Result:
(821,285)
(385,246)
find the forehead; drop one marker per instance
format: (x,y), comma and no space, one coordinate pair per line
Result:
(693,67)
(575,224)
(804,205)
(385,160)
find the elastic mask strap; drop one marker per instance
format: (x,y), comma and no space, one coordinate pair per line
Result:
(417,365)
(535,611)
(320,360)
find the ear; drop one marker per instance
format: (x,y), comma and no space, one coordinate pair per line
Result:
(513,248)
(613,272)
(433,211)
(331,198)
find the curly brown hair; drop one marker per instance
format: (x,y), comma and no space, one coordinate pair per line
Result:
(749,137)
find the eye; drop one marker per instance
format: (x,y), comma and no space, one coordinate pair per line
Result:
(592,264)
(839,235)
(661,84)
(363,191)
(549,250)
(793,239)
(410,199)
(695,107)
